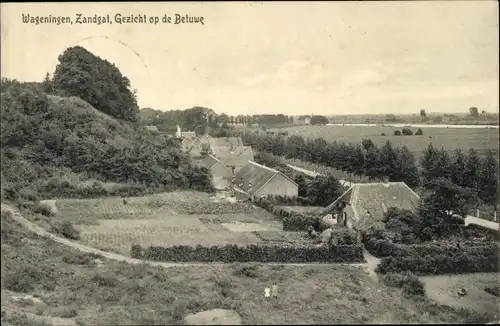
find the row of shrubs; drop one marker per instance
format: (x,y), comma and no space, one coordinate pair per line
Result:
(252,253)
(385,248)
(434,258)
(441,264)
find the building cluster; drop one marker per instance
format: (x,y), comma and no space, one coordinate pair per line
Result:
(233,167)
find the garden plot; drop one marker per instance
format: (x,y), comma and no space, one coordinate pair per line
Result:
(119,235)
(88,211)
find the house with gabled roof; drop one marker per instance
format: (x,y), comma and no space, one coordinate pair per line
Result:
(256,180)
(366,203)
(233,157)
(221,174)
(191,145)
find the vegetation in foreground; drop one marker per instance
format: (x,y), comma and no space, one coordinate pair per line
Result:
(76,286)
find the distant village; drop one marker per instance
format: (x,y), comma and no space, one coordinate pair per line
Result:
(233,167)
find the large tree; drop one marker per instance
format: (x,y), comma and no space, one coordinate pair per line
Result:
(97,81)
(442,205)
(488,179)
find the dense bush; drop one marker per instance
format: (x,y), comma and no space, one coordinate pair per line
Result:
(493,290)
(409,282)
(397,133)
(407,132)
(419,132)
(67,230)
(51,146)
(344,236)
(256,253)
(136,251)
(299,222)
(43,209)
(385,248)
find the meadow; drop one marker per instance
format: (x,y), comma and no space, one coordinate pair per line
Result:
(169,219)
(481,139)
(44,283)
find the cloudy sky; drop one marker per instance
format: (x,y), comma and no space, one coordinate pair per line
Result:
(293,58)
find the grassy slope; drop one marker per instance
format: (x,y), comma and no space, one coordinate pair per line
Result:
(73,285)
(77,141)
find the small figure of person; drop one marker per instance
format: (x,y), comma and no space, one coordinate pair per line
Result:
(267,292)
(275,291)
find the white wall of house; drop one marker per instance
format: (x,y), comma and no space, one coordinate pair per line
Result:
(279,186)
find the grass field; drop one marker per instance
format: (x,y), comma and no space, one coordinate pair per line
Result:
(180,218)
(449,138)
(65,286)
(443,289)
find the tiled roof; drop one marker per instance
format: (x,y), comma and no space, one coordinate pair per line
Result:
(236,156)
(225,142)
(188,134)
(370,201)
(253,176)
(209,161)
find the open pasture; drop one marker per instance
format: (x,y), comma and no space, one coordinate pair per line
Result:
(480,139)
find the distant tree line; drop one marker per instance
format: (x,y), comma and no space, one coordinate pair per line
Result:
(468,170)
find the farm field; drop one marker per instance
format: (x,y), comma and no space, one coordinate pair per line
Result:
(443,289)
(170,219)
(480,139)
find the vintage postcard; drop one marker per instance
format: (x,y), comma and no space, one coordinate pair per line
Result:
(226,163)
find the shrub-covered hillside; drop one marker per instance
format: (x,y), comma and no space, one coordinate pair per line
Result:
(56,146)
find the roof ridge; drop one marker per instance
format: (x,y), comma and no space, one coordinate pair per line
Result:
(263,166)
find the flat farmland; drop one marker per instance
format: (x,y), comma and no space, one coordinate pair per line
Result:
(481,139)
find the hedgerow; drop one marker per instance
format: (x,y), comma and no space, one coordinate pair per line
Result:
(458,263)
(253,253)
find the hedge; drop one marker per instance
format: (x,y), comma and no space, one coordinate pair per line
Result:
(385,248)
(292,221)
(252,253)
(441,264)
(299,222)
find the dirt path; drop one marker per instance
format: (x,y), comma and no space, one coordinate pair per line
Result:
(117,257)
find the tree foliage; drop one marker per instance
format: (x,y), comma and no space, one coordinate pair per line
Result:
(96,81)
(319,120)
(46,138)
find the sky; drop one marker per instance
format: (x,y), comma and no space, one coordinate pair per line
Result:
(276,57)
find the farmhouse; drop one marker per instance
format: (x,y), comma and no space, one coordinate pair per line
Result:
(221,174)
(191,145)
(365,203)
(256,181)
(184,134)
(233,157)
